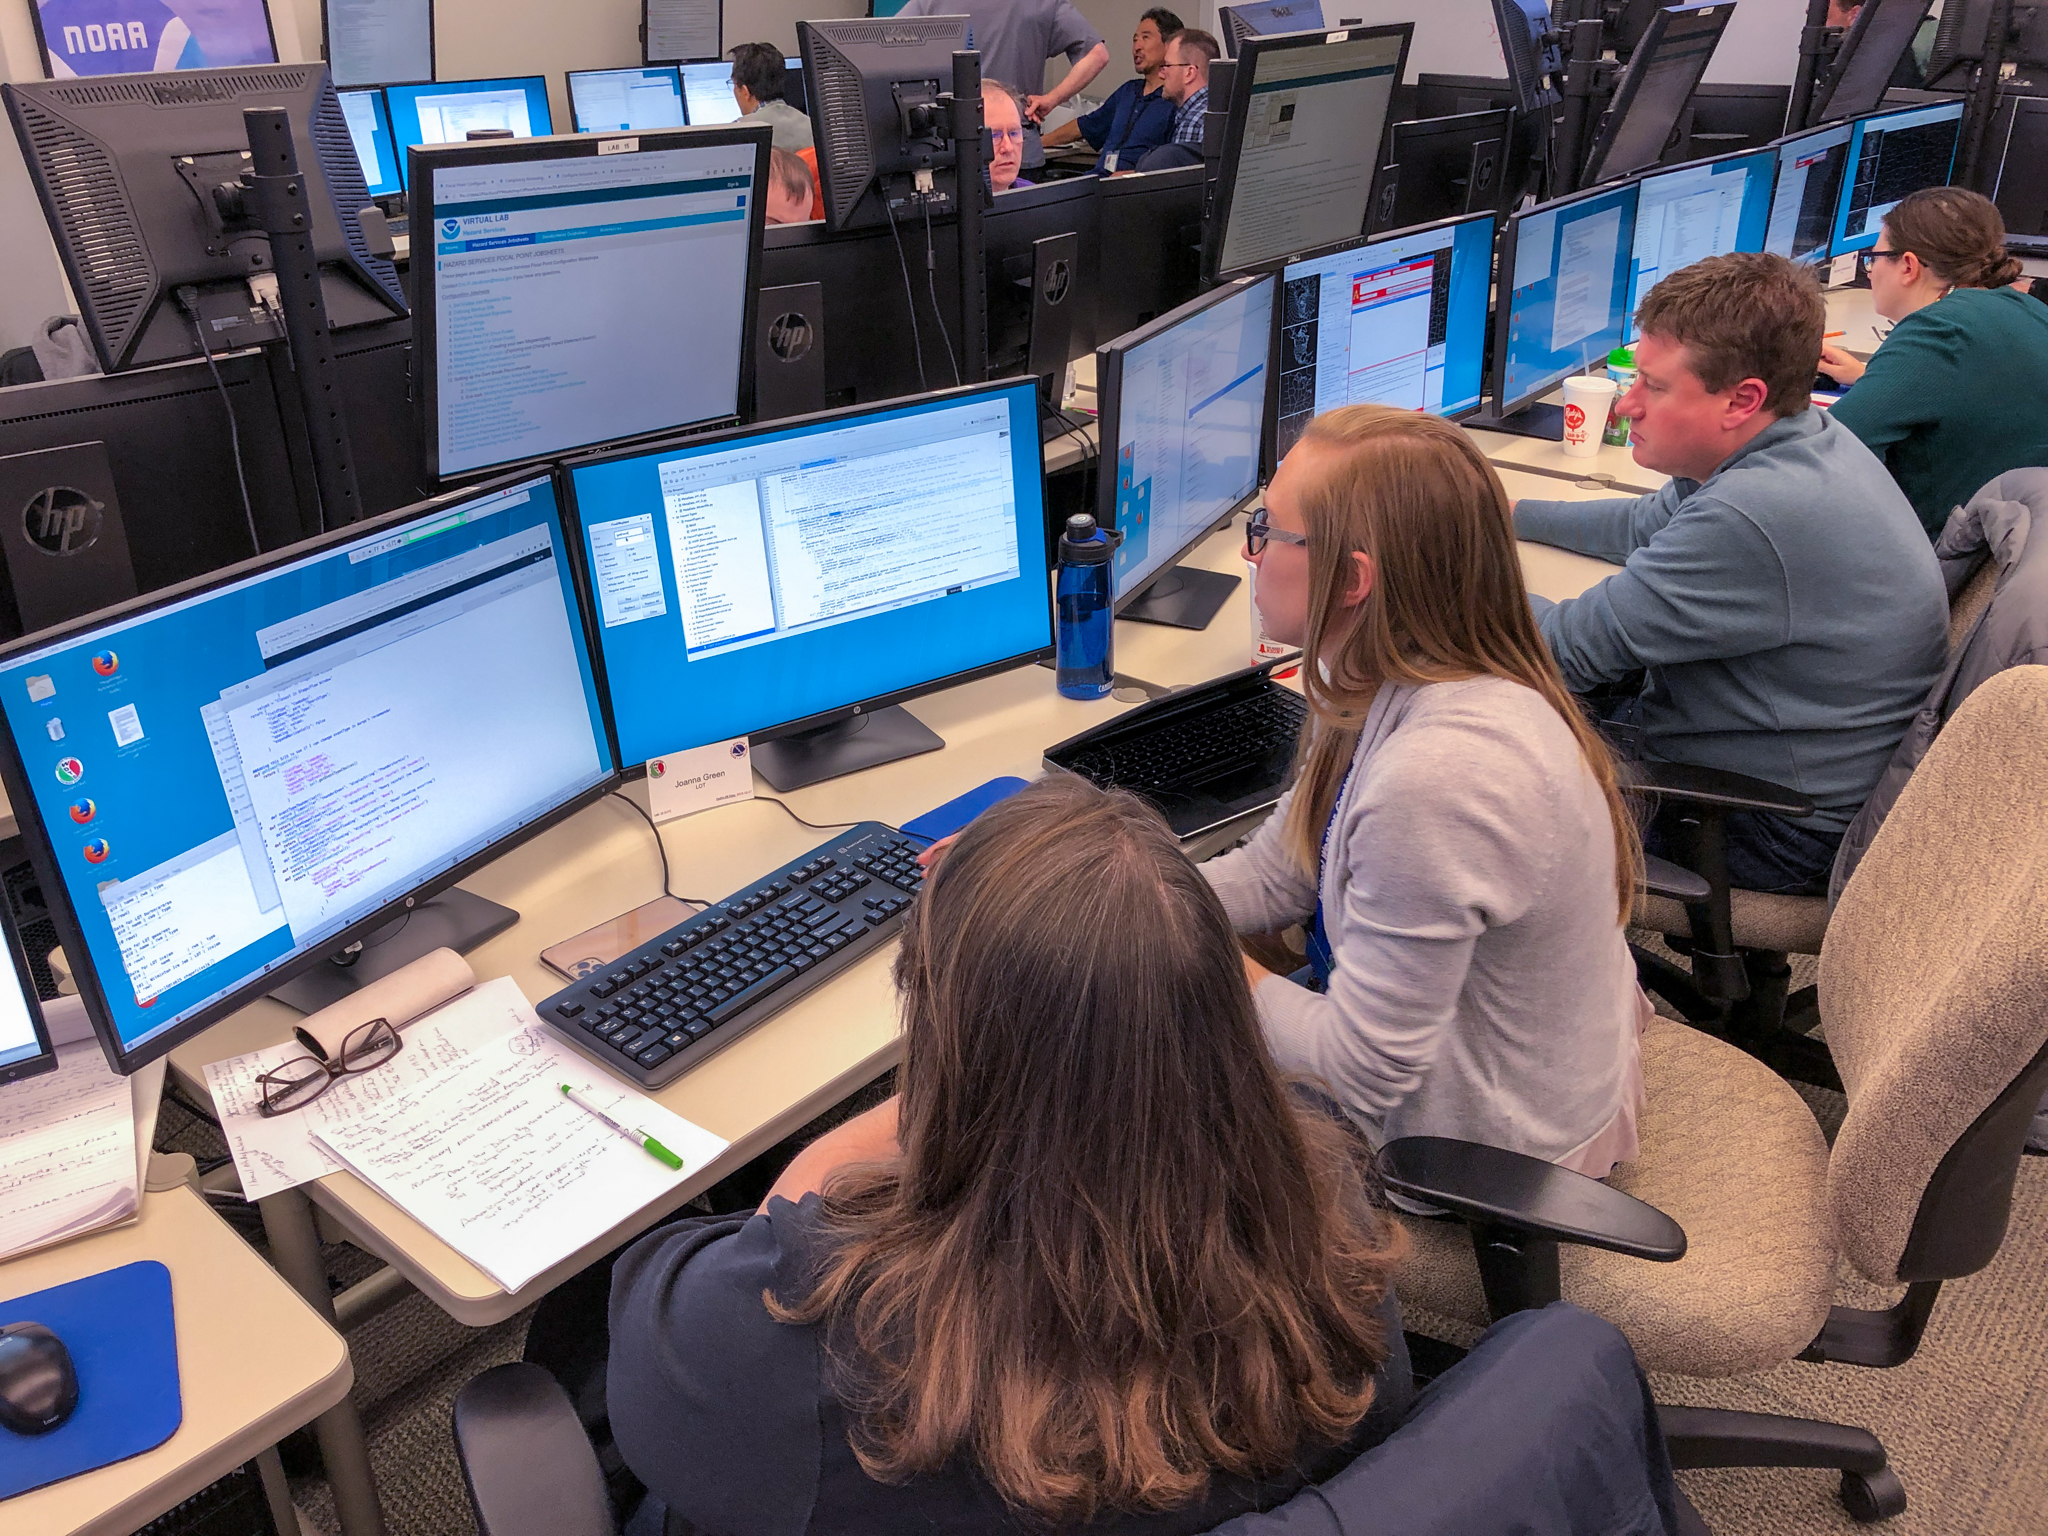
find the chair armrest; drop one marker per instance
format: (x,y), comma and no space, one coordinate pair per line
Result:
(1715,787)
(1496,1187)
(1663,878)
(527,1463)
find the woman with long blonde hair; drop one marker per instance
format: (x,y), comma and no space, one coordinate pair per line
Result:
(1455,840)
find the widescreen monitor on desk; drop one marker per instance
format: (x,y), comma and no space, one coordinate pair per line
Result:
(1564,302)
(708,97)
(449,111)
(1892,155)
(369,129)
(1399,320)
(608,100)
(1708,208)
(578,297)
(1809,187)
(224,783)
(789,582)
(1183,414)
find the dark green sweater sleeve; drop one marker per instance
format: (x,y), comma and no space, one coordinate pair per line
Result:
(1910,383)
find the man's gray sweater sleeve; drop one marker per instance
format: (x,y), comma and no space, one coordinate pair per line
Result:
(1611,529)
(1712,587)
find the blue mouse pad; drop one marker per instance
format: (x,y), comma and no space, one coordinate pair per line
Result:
(117,1325)
(949,818)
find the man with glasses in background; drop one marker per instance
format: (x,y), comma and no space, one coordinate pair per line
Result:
(1015,39)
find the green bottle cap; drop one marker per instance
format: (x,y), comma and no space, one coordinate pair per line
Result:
(1622,357)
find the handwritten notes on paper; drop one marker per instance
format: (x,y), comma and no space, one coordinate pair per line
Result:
(491,1158)
(67,1152)
(278,1153)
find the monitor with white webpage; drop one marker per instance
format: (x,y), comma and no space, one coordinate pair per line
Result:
(1809,186)
(1307,121)
(449,111)
(1690,212)
(616,100)
(708,97)
(1183,414)
(25,1048)
(790,582)
(579,296)
(223,783)
(378,42)
(1891,155)
(1400,320)
(369,129)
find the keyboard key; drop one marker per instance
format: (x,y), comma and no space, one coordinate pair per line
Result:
(739,1002)
(654,1055)
(570,1010)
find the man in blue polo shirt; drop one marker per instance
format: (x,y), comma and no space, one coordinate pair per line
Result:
(1138,117)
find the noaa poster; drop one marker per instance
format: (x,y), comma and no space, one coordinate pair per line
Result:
(123,37)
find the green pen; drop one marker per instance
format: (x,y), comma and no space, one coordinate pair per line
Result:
(640,1139)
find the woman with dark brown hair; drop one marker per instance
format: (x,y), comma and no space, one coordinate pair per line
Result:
(1095,1269)
(1454,842)
(1952,398)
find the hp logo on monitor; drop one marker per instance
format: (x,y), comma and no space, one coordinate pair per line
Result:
(1059,280)
(791,336)
(62,521)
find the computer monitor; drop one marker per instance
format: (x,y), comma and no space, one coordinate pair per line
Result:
(879,126)
(1691,212)
(1011,231)
(2018,156)
(1808,191)
(1533,61)
(1307,122)
(576,296)
(1959,46)
(1183,412)
(222,784)
(1891,155)
(708,97)
(1267,17)
(1441,167)
(1668,61)
(1563,305)
(791,582)
(1399,320)
(1871,49)
(95,41)
(1152,223)
(625,100)
(369,129)
(25,1048)
(377,42)
(449,111)
(676,31)
(148,221)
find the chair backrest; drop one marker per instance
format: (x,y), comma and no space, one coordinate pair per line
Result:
(1547,1425)
(1934,994)
(1974,598)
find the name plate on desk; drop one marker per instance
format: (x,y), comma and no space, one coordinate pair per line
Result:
(683,783)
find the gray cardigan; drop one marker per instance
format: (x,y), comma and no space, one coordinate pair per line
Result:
(1787,608)
(1483,988)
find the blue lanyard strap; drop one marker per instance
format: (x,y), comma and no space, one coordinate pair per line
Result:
(1321,959)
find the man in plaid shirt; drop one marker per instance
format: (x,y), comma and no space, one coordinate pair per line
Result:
(1186,82)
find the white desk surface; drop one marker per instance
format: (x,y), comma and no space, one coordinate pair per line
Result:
(254,1364)
(838,1038)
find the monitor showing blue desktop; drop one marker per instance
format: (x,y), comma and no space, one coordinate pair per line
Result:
(1566,304)
(369,128)
(1183,412)
(1804,205)
(1691,212)
(782,582)
(449,111)
(1395,321)
(223,785)
(1891,155)
(614,100)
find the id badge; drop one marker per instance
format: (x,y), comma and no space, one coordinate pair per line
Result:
(1109,161)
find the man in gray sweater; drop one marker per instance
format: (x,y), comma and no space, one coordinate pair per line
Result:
(1777,598)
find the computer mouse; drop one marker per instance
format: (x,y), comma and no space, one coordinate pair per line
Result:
(38,1387)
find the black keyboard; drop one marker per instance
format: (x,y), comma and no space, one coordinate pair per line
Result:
(652,1016)
(1189,753)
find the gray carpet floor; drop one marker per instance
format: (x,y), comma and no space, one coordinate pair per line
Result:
(1965,1422)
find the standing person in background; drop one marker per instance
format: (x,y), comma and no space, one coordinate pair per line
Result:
(759,79)
(1138,117)
(1952,399)
(1015,39)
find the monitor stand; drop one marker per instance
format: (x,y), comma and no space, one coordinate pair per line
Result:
(455,919)
(1545,421)
(1182,596)
(845,746)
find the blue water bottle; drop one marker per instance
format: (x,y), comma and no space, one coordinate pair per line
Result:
(1084,611)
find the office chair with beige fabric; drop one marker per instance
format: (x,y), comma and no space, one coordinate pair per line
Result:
(1934,994)
(1737,941)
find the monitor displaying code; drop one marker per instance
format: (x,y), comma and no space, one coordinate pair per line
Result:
(232,779)
(1809,184)
(1568,303)
(1400,321)
(1889,158)
(764,578)
(579,299)
(1687,214)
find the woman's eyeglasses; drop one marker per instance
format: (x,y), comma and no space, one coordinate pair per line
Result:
(1258,532)
(296,1083)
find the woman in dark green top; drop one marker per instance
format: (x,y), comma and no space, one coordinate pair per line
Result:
(1953,397)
